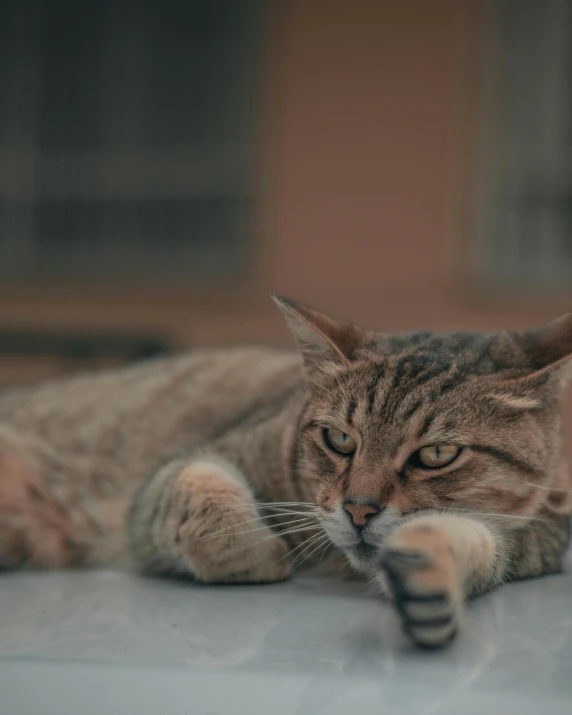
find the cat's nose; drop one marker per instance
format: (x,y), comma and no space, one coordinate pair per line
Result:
(361,513)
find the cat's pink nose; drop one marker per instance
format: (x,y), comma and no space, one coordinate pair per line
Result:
(360,513)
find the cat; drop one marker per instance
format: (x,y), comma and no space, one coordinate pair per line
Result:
(429,463)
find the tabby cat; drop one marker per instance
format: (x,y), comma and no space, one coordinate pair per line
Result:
(430,463)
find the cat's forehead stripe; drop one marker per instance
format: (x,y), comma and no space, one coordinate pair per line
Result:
(412,410)
(427,422)
(407,377)
(350,411)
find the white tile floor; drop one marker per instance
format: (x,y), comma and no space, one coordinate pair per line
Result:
(110,643)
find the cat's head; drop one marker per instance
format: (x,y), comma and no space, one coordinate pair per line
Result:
(402,422)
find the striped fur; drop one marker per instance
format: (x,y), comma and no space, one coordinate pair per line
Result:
(214,465)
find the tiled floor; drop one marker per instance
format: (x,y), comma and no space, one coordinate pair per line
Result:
(111,643)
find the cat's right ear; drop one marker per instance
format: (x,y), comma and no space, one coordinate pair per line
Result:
(319,338)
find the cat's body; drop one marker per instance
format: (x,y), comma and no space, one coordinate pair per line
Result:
(431,462)
(73,452)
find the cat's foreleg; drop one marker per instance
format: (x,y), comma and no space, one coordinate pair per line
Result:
(198,517)
(432,563)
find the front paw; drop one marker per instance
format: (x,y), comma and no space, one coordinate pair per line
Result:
(422,578)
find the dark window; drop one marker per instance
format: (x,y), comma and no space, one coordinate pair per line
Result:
(524,238)
(126,133)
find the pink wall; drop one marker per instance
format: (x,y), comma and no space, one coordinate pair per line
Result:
(362,163)
(368,162)
(369,179)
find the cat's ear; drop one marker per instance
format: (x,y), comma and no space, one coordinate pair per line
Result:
(550,346)
(548,351)
(319,338)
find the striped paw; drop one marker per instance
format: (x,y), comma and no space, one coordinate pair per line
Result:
(422,580)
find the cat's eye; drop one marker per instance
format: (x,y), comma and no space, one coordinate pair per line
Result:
(339,441)
(437,455)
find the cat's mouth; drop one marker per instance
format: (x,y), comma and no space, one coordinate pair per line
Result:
(365,550)
(362,554)
(362,546)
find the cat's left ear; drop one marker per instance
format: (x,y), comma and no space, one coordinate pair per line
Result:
(319,338)
(548,350)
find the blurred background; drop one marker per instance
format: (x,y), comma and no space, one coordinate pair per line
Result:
(163,165)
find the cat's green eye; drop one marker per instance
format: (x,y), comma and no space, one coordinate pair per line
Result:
(339,441)
(437,455)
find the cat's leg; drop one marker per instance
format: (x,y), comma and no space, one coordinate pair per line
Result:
(198,518)
(44,522)
(430,564)
(433,562)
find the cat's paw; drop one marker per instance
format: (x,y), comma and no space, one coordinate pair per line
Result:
(422,579)
(271,564)
(214,529)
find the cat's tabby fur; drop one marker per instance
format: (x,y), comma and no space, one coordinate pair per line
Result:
(214,464)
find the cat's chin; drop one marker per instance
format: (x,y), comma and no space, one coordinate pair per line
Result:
(363,557)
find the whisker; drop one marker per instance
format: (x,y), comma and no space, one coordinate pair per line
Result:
(320,544)
(294,512)
(308,525)
(279,527)
(474,512)
(288,524)
(293,530)
(221,532)
(271,536)
(547,489)
(278,511)
(231,526)
(286,503)
(323,551)
(288,512)
(265,506)
(265,526)
(310,540)
(307,546)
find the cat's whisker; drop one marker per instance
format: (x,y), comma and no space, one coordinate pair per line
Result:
(310,540)
(328,546)
(321,542)
(225,531)
(261,507)
(271,536)
(287,508)
(287,512)
(294,530)
(547,489)
(266,527)
(476,513)
(307,546)
(285,505)
(287,525)
(323,551)
(307,525)
(277,512)
(272,505)
(232,526)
